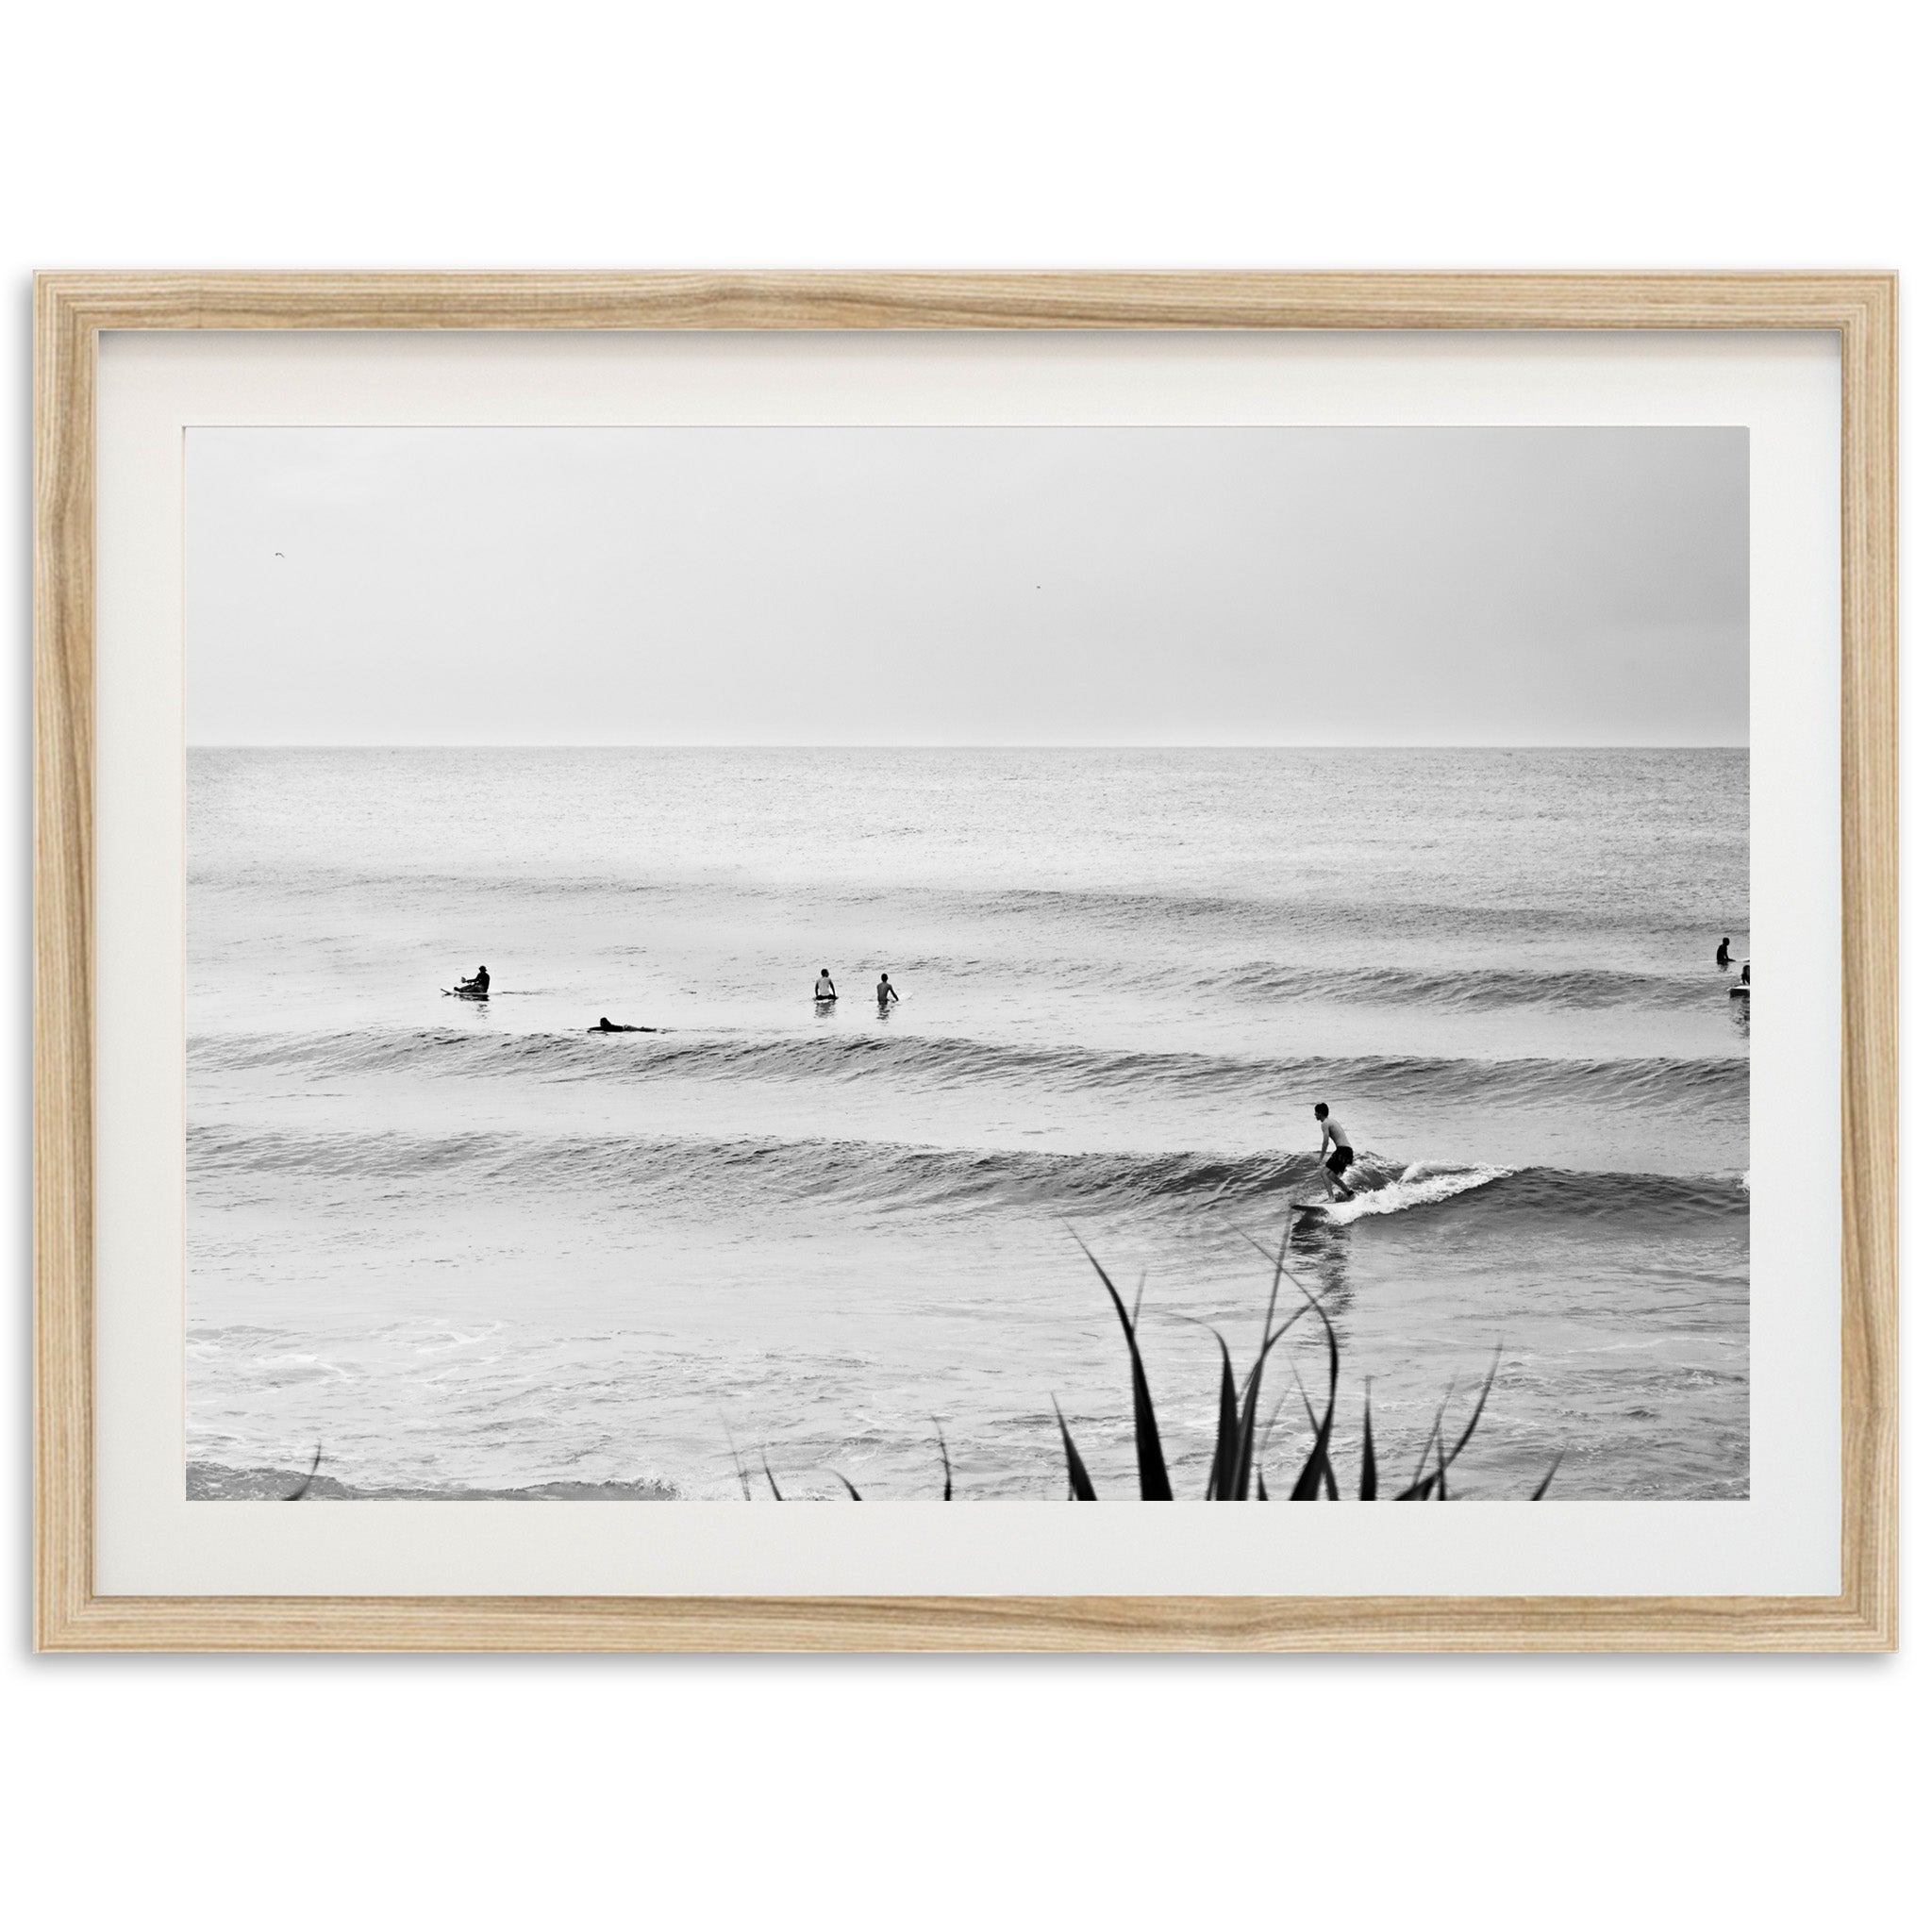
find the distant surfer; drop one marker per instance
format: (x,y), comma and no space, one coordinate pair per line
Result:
(1746,980)
(611,1026)
(888,994)
(477,989)
(1723,950)
(1335,1145)
(825,991)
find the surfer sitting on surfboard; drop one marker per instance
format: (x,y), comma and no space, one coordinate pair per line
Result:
(824,990)
(1340,1155)
(477,989)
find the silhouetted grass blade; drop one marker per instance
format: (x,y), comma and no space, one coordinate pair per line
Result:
(737,1461)
(1221,1477)
(1436,1485)
(1476,1414)
(1155,1487)
(777,1495)
(1549,1476)
(1077,1478)
(945,1461)
(1251,1395)
(1420,1485)
(1316,1475)
(1368,1491)
(296,1494)
(849,1489)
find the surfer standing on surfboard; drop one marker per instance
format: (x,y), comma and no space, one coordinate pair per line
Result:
(1341,1154)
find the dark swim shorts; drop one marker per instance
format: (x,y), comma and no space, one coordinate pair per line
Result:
(1341,1160)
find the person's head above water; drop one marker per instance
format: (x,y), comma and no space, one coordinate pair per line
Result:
(883,978)
(1321,1110)
(825,973)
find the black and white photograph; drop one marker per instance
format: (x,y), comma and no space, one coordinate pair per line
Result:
(926,757)
(994,964)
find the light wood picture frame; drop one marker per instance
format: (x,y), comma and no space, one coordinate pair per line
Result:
(72,310)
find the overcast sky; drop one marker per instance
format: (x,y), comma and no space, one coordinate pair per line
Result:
(1253,586)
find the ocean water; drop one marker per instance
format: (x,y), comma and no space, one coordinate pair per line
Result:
(473,1248)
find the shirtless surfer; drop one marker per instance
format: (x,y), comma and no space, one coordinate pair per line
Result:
(888,992)
(1723,950)
(1340,1155)
(824,990)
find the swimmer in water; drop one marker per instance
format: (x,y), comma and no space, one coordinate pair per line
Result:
(824,990)
(1723,950)
(1341,1158)
(888,994)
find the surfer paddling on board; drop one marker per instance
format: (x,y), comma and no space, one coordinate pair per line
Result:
(1335,1144)
(824,990)
(613,1026)
(888,992)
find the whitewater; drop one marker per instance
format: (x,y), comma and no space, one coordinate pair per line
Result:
(477,1249)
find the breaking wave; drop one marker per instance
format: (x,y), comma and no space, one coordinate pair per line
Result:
(933,1061)
(700,1175)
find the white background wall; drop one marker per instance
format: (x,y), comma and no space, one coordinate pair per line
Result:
(1554,1792)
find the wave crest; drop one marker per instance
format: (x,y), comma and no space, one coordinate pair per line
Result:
(931,1060)
(701,1175)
